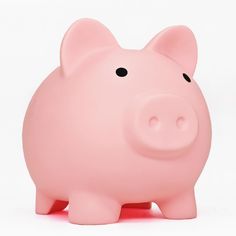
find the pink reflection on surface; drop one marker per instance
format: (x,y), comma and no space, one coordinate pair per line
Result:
(126,215)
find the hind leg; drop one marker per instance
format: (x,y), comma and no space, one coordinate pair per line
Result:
(91,208)
(46,205)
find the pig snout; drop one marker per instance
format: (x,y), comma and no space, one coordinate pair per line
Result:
(161,125)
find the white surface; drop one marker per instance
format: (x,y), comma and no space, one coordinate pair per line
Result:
(30,37)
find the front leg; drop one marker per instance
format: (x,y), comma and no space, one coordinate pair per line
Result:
(181,206)
(92,208)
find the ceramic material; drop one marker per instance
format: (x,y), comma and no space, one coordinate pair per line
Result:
(113,126)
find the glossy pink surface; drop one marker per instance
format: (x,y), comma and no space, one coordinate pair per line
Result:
(98,141)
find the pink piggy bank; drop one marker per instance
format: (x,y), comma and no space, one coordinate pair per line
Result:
(113,127)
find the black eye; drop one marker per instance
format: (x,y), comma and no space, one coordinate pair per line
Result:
(121,72)
(186,77)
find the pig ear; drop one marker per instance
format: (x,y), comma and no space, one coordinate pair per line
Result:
(179,44)
(83,38)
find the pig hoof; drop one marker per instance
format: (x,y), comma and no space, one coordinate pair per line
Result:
(46,205)
(143,205)
(182,206)
(91,209)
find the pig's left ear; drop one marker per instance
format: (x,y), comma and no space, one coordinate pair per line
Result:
(84,37)
(179,44)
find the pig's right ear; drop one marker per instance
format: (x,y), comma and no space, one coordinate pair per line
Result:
(83,38)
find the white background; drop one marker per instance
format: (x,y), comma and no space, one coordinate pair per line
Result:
(30,37)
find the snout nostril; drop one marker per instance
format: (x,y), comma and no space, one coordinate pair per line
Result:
(154,122)
(181,122)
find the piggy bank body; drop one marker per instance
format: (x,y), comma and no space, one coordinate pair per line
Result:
(113,126)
